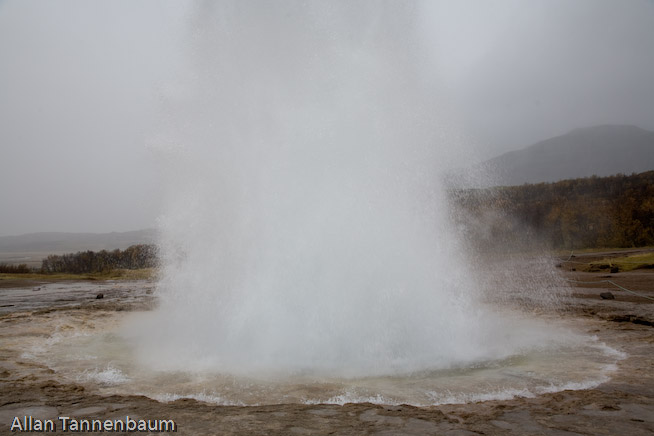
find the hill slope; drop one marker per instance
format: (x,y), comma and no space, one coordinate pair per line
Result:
(56,242)
(600,150)
(615,211)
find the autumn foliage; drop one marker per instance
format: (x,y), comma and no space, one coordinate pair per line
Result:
(14,269)
(134,257)
(615,211)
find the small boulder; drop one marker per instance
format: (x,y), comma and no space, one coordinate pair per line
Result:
(100,296)
(607,296)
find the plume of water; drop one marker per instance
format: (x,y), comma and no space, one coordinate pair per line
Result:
(306,230)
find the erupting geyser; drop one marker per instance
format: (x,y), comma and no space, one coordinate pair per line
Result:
(306,232)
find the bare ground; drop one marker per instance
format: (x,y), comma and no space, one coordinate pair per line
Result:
(622,406)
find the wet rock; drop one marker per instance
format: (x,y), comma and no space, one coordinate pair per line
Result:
(607,296)
(324,412)
(88,411)
(372,416)
(7,413)
(631,318)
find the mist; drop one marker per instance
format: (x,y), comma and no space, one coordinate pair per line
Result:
(84,90)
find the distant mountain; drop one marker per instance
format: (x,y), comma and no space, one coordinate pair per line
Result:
(601,150)
(73,242)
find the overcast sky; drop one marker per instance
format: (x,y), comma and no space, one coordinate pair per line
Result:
(81,85)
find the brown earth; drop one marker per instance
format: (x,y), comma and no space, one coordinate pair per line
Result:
(622,406)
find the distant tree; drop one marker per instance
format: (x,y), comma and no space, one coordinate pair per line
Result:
(83,262)
(615,211)
(14,269)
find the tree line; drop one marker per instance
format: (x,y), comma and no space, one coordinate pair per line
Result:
(14,269)
(615,211)
(83,262)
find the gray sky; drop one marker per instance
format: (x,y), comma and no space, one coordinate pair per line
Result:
(81,85)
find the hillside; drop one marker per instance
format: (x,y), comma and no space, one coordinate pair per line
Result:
(601,150)
(615,211)
(57,242)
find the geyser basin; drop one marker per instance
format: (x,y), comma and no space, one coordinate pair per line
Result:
(309,252)
(107,362)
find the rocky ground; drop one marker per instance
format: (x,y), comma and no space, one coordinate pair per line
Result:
(622,406)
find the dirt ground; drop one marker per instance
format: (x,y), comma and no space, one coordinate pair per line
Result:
(622,406)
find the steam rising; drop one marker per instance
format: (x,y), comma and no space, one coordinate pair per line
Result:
(306,229)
